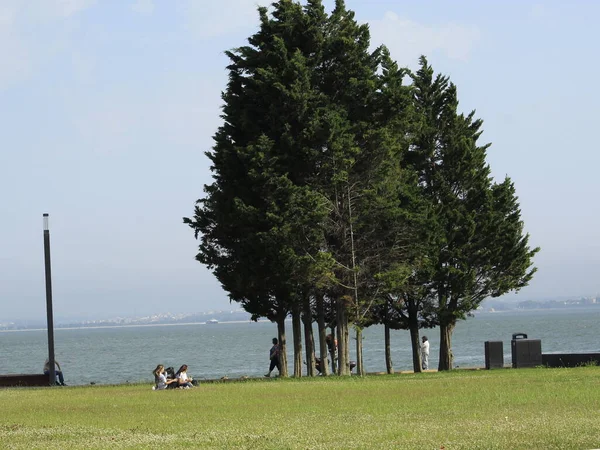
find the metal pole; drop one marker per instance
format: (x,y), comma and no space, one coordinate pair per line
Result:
(50,320)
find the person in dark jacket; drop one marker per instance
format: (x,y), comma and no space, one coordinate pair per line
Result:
(57,371)
(274,357)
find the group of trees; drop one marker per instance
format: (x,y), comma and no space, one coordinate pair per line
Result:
(348,191)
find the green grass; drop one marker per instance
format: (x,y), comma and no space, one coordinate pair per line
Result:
(502,409)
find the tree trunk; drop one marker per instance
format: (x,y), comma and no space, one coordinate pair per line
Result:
(343,341)
(309,342)
(446,357)
(360,367)
(282,345)
(297,330)
(359,359)
(413,326)
(322,335)
(388,351)
(333,351)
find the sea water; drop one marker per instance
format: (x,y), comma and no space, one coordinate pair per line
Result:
(129,354)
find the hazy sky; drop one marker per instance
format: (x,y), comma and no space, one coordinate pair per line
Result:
(107,106)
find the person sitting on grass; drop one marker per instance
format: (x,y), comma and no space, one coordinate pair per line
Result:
(160,379)
(183,380)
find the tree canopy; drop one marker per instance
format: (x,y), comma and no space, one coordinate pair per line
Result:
(339,177)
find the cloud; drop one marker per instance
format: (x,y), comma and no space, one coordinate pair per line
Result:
(46,11)
(24,38)
(537,11)
(14,58)
(68,8)
(546,14)
(210,19)
(143,6)
(6,18)
(407,40)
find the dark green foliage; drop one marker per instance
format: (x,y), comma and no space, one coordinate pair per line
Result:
(260,222)
(476,246)
(331,175)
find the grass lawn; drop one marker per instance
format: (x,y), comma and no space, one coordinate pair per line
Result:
(501,409)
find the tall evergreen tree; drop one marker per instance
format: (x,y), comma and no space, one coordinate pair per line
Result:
(347,76)
(386,225)
(399,231)
(477,246)
(259,221)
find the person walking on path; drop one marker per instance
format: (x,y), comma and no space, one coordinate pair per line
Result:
(425,353)
(57,371)
(274,357)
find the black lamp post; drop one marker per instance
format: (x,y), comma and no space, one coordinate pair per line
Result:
(50,320)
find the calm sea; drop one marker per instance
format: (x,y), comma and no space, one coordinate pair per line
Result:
(120,355)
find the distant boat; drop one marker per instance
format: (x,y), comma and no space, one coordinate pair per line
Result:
(212,321)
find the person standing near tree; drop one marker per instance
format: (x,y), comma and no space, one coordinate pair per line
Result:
(425,353)
(274,357)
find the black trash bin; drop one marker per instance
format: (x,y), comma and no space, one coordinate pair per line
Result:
(494,354)
(525,352)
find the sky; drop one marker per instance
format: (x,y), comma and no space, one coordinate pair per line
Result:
(107,108)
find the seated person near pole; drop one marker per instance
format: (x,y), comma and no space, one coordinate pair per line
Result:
(57,371)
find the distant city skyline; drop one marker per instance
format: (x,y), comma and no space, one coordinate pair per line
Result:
(235,310)
(239,315)
(107,108)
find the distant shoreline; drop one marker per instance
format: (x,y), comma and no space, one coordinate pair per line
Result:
(595,307)
(95,327)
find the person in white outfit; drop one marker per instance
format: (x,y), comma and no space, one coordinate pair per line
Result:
(425,353)
(183,379)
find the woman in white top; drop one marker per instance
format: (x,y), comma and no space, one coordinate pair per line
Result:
(183,380)
(160,379)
